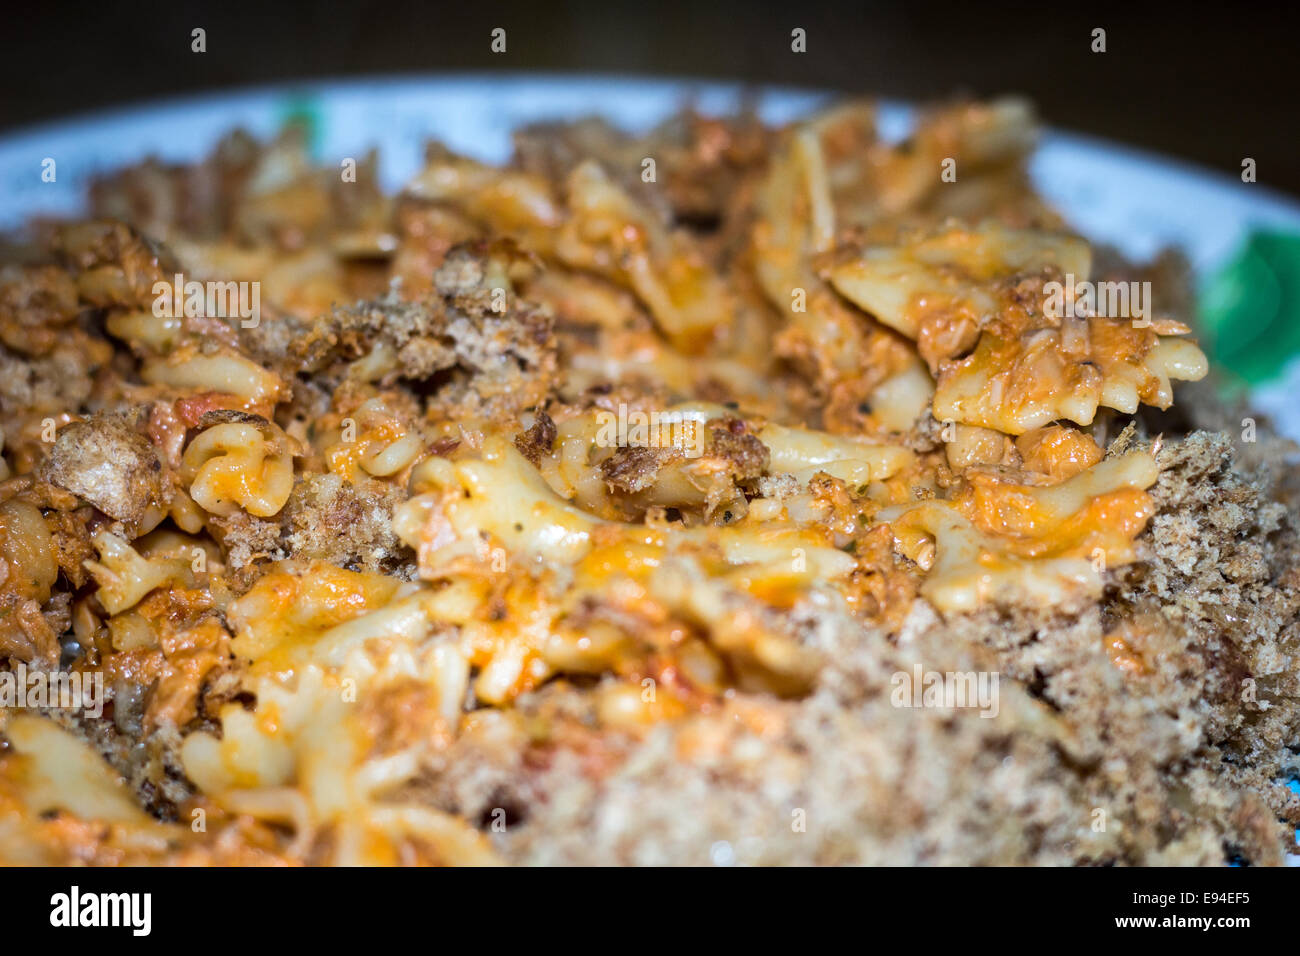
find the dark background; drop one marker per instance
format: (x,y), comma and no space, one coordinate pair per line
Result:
(1212,84)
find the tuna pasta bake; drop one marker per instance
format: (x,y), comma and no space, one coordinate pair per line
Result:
(726,494)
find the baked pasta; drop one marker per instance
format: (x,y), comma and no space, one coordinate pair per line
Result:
(727,494)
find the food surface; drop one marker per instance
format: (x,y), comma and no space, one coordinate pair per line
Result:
(727,494)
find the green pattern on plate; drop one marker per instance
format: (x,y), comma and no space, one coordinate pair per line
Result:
(303,110)
(1250,309)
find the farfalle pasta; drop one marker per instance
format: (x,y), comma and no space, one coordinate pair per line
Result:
(587,509)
